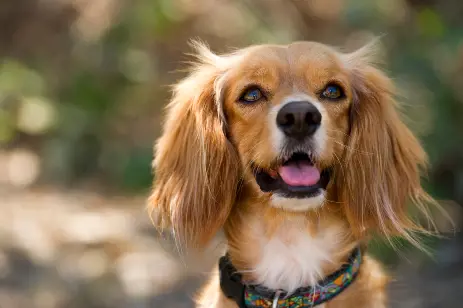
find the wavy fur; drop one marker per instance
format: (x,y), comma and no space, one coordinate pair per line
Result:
(203,181)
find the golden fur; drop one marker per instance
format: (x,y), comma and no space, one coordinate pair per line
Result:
(202,162)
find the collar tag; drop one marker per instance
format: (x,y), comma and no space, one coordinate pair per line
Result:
(276,298)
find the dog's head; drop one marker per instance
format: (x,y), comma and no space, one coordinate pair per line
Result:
(296,125)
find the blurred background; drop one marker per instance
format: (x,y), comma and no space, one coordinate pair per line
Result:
(82,88)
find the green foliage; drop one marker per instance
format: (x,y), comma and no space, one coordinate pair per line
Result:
(136,172)
(106,93)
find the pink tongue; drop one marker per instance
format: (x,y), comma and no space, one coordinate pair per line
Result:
(299,174)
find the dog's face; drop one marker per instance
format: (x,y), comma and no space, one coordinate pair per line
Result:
(296,125)
(287,112)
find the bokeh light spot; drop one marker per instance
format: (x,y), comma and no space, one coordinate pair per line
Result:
(23,167)
(36,115)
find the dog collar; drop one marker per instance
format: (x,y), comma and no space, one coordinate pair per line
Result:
(257,296)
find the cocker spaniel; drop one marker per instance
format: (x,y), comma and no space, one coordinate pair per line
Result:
(298,153)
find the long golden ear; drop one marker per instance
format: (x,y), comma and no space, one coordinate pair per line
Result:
(196,167)
(382,160)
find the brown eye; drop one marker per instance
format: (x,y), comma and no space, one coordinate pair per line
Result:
(333,92)
(252,95)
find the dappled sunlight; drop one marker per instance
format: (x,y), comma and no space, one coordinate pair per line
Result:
(79,239)
(83,86)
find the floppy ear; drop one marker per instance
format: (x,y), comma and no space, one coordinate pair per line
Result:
(382,159)
(196,168)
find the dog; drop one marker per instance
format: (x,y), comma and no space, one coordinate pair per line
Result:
(299,154)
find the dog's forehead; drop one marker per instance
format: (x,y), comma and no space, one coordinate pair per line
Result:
(299,65)
(298,51)
(292,57)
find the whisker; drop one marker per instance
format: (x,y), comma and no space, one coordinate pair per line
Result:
(337,131)
(349,147)
(332,201)
(339,161)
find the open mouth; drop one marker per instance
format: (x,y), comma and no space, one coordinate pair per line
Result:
(296,177)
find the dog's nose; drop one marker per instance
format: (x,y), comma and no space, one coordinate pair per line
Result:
(299,119)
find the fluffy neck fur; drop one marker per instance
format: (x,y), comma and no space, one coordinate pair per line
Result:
(286,250)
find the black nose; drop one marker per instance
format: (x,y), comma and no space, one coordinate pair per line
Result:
(299,119)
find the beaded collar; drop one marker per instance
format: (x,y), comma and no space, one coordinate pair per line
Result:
(257,296)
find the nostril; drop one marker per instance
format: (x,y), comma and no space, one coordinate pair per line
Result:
(285,119)
(308,118)
(313,117)
(288,120)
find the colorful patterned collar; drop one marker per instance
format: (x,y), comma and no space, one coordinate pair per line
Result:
(256,296)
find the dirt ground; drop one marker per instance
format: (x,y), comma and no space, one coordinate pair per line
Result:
(75,249)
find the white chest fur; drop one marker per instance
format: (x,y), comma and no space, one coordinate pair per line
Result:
(293,257)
